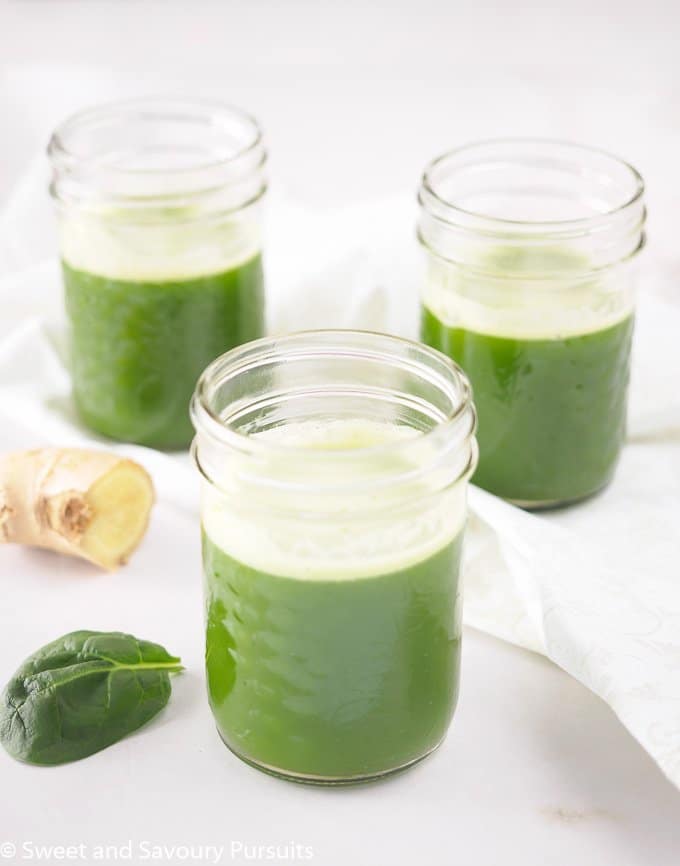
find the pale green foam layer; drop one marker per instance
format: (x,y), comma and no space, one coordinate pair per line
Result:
(528,294)
(148,249)
(362,534)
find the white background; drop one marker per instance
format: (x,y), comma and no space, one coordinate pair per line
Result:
(355,97)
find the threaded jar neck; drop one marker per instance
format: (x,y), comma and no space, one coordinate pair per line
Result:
(158,159)
(257,408)
(531,195)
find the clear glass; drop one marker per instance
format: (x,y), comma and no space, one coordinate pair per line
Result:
(531,251)
(335,468)
(158,205)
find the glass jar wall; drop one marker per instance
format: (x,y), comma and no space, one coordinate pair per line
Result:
(159,217)
(531,253)
(335,467)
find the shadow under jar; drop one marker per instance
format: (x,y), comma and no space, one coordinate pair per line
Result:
(335,467)
(531,253)
(159,219)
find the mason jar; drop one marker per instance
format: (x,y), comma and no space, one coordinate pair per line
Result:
(335,467)
(531,256)
(158,205)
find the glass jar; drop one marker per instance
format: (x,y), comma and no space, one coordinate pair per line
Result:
(335,468)
(158,206)
(531,251)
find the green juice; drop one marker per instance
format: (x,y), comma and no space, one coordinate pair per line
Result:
(138,347)
(333,678)
(552,412)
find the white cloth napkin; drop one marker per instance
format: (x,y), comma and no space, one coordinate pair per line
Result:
(595,587)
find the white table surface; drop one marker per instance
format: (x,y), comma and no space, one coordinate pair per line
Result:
(355,97)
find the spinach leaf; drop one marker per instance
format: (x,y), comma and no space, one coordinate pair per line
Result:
(81,693)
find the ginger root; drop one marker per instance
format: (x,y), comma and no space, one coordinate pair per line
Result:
(90,504)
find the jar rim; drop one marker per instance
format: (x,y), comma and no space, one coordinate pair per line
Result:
(159,108)
(245,357)
(427,187)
